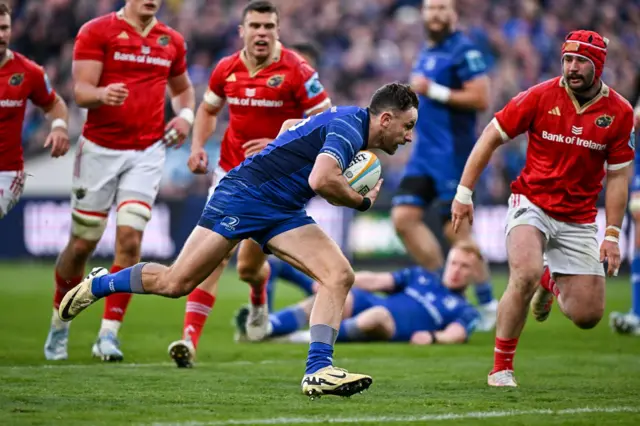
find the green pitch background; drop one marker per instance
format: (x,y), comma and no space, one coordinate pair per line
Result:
(566,375)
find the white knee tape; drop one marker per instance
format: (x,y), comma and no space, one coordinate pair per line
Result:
(634,205)
(88,226)
(134,214)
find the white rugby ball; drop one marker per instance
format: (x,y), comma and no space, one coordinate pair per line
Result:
(363,172)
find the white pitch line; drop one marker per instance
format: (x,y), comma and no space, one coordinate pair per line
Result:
(62,365)
(407,419)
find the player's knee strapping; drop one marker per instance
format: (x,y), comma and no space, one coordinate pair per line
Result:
(88,225)
(133,213)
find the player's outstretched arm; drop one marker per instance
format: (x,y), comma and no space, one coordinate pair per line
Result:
(86,77)
(326,179)
(58,138)
(375,281)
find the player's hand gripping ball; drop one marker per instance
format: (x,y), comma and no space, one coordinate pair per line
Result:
(363,173)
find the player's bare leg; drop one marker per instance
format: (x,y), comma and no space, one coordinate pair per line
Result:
(127,253)
(487,305)
(310,250)
(420,242)
(198,307)
(201,254)
(581,298)
(254,269)
(69,272)
(375,323)
(525,245)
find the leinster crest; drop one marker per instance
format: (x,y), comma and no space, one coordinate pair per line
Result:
(604,121)
(16,79)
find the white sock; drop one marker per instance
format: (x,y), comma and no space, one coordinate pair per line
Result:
(110,326)
(56,322)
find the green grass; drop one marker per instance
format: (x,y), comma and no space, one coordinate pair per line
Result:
(559,368)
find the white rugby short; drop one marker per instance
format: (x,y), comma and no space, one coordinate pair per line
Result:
(11,187)
(102,175)
(571,248)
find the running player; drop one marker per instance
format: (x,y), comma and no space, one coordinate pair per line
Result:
(450,77)
(264,199)
(122,65)
(264,84)
(579,129)
(22,80)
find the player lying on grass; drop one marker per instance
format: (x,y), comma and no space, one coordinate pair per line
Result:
(263,199)
(422,307)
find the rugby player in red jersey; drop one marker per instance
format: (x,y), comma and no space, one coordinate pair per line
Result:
(123,63)
(22,80)
(264,84)
(579,129)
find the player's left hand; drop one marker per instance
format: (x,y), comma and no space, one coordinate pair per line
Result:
(254,146)
(610,251)
(460,212)
(176,132)
(421,338)
(419,84)
(58,140)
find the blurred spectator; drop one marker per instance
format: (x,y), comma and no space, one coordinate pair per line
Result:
(364,44)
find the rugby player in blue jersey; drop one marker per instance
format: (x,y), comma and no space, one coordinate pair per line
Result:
(421,307)
(450,78)
(263,199)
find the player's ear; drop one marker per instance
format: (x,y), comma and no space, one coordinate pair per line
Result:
(385,119)
(241,31)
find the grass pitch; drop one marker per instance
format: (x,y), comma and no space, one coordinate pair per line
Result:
(566,375)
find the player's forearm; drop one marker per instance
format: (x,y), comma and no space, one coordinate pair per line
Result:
(373,281)
(289,124)
(203,127)
(451,336)
(616,193)
(336,190)
(469,99)
(480,156)
(58,112)
(184,100)
(87,95)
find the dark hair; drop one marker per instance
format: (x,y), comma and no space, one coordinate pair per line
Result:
(260,6)
(393,96)
(309,49)
(5,9)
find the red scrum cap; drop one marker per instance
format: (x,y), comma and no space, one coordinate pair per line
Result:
(589,45)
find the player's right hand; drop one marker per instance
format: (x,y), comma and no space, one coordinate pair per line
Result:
(114,94)
(198,161)
(459,213)
(373,194)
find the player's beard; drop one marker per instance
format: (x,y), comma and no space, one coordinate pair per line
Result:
(587,82)
(437,36)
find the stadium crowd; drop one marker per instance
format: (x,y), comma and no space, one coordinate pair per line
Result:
(363,44)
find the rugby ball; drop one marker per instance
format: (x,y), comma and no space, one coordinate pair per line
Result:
(363,172)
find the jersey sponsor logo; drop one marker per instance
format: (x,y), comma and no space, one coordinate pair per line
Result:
(250,93)
(123,35)
(475,61)
(604,121)
(431,63)
(145,50)
(164,40)
(252,102)
(16,79)
(141,59)
(576,130)
(313,86)
(573,140)
(229,223)
(275,81)
(231,78)
(11,103)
